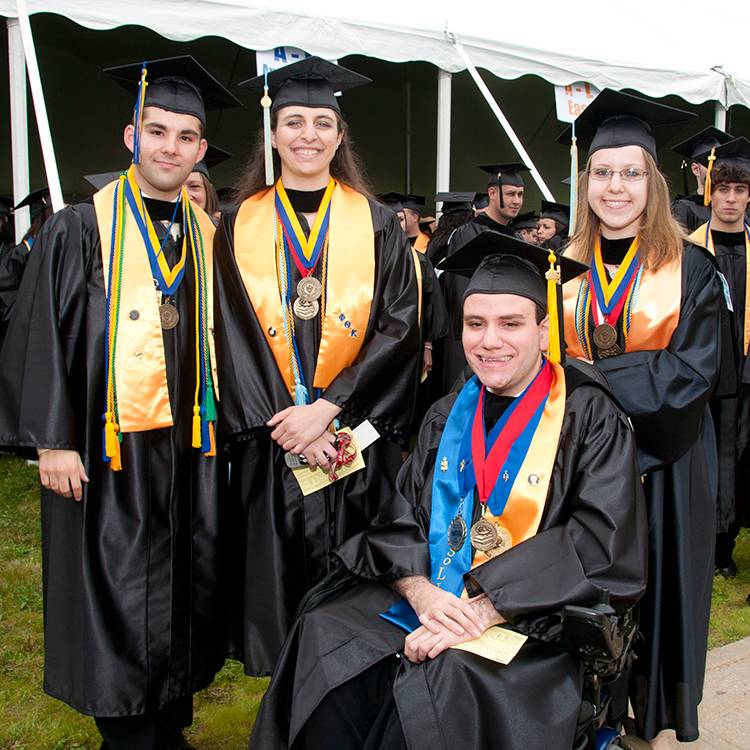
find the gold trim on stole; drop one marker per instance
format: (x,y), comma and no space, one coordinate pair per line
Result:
(140,364)
(421,242)
(656,311)
(350,283)
(698,237)
(528,496)
(418,271)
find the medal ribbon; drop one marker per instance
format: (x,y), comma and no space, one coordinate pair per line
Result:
(489,464)
(168,279)
(304,250)
(609,297)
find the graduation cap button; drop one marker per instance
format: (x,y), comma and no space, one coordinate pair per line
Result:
(271,331)
(134,315)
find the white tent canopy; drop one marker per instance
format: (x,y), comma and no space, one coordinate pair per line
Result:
(657,48)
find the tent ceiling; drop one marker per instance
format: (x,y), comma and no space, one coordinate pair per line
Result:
(655,48)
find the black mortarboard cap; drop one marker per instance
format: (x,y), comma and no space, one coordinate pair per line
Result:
(394,201)
(35,200)
(735,153)
(507,173)
(481,200)
(525,221)
(177,84)
(214,156)
(616,119)
(701,142)
(98,181)
(455,201)
(414,202)
(311,82)
(465,259)
(557,211)
(6,204)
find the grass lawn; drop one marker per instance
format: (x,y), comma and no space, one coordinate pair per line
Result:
(29,720)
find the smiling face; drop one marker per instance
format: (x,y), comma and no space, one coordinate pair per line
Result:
(512,202)
(306,139)
(171,145)
(503,342)
(619,205)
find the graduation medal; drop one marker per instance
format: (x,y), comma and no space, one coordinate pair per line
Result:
(609,298)
(168,316)
(305,251)
(487,535)
(457,532)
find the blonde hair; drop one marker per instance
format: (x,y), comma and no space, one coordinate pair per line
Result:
(661,236)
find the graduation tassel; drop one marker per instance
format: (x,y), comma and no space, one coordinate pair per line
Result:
(138,115)
(301,396)
(265,102)
(553,280)
(196,443)
(573,181)
(208,407)
(683,169)
(112,442)
(707,183)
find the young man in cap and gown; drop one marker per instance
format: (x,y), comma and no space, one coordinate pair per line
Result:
(505,188)
(690,209)
(522,496)
(317,334)
(109,374)
(725,236)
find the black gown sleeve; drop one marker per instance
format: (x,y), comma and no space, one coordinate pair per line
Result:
(41,360)
(385,370)
(13,261)
(436,311)
(396,544)
(594,533)
(665,391)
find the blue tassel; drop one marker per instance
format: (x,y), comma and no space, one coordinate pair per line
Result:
(301,396)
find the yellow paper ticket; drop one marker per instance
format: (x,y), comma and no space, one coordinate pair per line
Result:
(497,643)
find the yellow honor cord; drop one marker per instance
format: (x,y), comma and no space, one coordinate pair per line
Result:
(707,183)
(553,279)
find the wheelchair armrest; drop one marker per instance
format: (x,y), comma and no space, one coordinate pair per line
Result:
(598,635)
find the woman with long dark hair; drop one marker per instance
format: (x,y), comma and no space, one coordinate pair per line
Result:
(650,315)
(316,334)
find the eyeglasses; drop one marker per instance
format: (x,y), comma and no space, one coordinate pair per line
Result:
(631,174)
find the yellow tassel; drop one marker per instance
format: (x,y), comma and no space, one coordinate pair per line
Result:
(573,184)
(553,279)
(111,443)
(196,426)
(707,183)
(212,450)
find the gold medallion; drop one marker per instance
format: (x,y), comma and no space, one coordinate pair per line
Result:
(306,310)
(168,316)
(605,336)
(309,289)
(490,537)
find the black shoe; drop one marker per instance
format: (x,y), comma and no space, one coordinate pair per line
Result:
(728,571)
(180,743)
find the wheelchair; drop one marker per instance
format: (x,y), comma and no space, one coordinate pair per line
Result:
(602,640)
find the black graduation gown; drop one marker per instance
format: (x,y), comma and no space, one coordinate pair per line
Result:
(731,413)
(132,586)
(433,328)
(665,393)
(592,536)
(453,360)
(281,540)
(12,264)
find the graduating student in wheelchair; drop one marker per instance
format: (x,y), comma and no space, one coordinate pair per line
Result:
(522,496)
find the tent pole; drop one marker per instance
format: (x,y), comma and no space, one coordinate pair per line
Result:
(37,93)
(19,132)
(720,116)
(503,120)
(443,132)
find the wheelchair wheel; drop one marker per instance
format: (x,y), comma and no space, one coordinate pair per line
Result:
(629,742)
